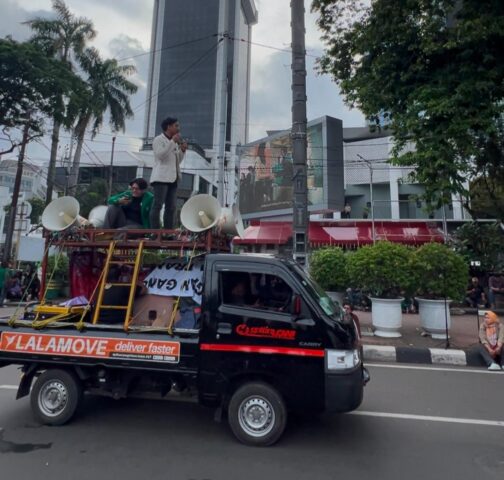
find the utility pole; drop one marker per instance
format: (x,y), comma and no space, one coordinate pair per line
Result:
(368,163)
(67,164)
(23,212)
(298,134)
(15,193)
(221,158)
(111,168)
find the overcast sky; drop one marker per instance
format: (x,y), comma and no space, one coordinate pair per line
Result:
(124,29)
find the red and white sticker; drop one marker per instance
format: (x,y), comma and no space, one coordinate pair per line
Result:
(93,347)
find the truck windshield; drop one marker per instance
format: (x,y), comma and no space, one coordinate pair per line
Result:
(330,307)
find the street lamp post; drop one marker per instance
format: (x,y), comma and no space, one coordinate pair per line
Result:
(368,163)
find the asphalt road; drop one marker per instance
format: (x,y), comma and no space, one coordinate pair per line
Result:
(415,423)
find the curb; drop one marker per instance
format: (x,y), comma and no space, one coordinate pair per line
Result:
(430,356)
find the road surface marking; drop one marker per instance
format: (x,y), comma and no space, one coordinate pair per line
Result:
(440,369)
(428,418)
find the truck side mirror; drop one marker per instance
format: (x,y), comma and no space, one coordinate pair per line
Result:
(296,306)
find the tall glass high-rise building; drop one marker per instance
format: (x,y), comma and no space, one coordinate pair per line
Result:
(185,74)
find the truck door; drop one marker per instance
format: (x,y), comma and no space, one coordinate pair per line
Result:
(253,332)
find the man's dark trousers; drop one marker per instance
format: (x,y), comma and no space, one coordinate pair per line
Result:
(164,193)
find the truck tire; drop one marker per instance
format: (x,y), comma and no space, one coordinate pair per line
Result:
(55,397)
(257,414)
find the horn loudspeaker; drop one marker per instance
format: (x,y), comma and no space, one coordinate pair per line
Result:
(200,213)
(61,214)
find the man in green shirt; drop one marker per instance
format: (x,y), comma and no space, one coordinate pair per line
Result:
(130,209)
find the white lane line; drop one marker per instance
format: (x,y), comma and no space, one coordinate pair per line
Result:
(8,387)
(428,418)
(439,369)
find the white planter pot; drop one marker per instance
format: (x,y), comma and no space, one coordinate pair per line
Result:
(433,317)
(337,296)
(387,317)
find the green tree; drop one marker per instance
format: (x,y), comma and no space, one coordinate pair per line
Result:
(108,89)
(487,197)
(435,71)
(91,196)
(32,86)
(38,206)
(481,242)
(62,36)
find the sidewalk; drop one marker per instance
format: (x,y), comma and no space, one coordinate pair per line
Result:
(412,347)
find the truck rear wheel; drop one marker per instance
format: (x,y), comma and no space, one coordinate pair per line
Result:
(257,414)
(55,397)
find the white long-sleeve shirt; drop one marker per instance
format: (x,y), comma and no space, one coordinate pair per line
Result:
(167,158)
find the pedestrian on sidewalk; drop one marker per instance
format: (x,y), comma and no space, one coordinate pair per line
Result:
(475,295)
(349,311)
(495,289)
(491,335)
(4,276)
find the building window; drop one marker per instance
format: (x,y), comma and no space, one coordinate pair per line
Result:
(124,174)
(204,186)
(187,182)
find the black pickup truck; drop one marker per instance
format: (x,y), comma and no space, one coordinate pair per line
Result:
(268,341)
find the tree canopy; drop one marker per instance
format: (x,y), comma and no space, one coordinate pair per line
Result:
(31,85)
(434,71)
(62,37)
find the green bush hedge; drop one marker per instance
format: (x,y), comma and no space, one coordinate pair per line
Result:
(328,267)
(439,272)
(382,270)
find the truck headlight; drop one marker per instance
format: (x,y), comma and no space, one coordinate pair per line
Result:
(342,359)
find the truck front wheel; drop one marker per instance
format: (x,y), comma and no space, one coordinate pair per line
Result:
(257,414)
(55,397)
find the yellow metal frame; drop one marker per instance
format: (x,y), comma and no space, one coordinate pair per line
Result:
(134,278)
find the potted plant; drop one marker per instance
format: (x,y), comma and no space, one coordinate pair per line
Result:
(441,276)
(328,267)
(383,271)
(56,276)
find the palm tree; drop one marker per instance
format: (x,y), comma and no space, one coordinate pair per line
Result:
(63,36)
(108,89)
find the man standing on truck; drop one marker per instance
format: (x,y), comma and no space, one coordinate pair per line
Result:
(130,209)
(169,150)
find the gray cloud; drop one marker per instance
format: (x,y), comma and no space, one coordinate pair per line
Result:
(130,52)
(140,10)
(12,18)
(270,101)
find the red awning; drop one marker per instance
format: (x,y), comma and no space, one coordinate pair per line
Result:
(276,233)
(344,234)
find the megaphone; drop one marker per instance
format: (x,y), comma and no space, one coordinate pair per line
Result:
(97,216)
(200,213)
(230,221)
(62,213)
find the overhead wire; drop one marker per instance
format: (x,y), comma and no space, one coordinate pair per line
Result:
(170,84)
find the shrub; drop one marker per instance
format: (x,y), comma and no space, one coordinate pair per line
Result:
(328,266)
(154,257)
(439,272)
(59,267)
(383,270)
